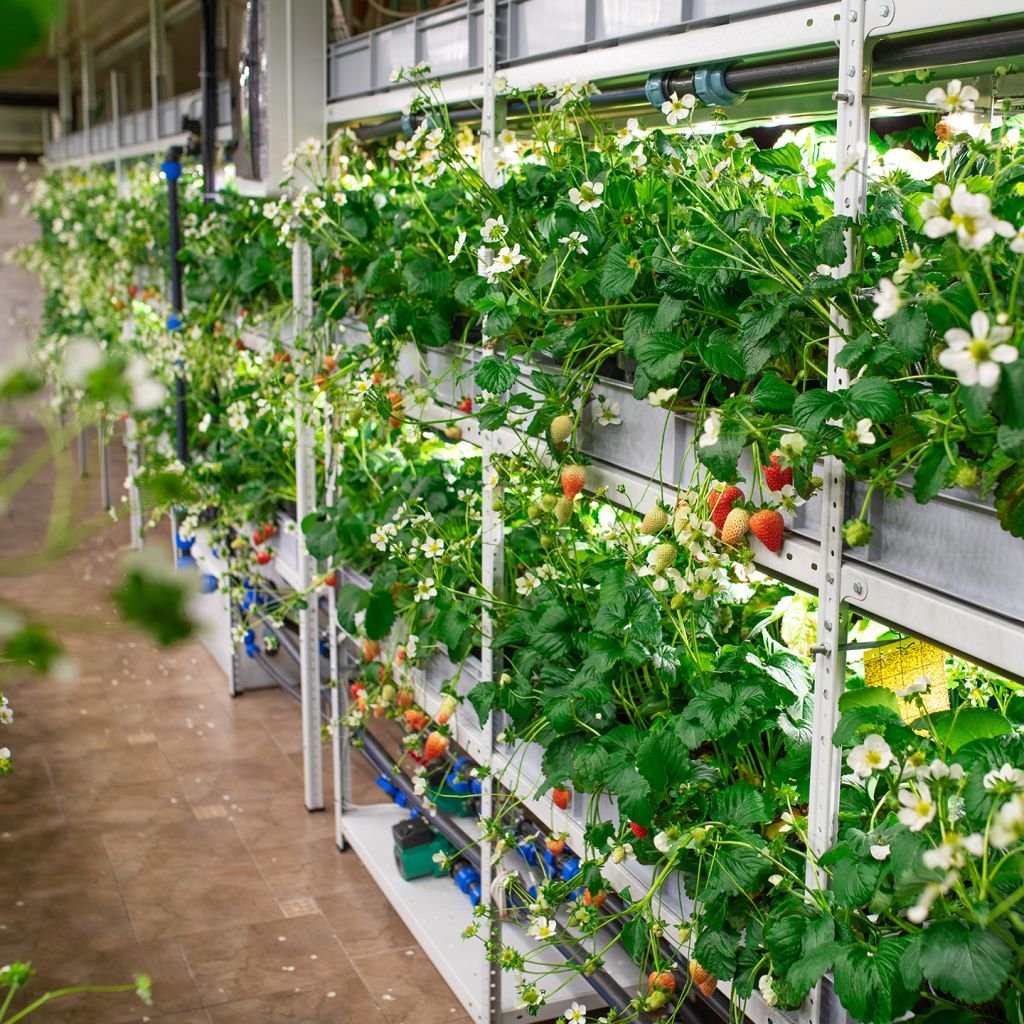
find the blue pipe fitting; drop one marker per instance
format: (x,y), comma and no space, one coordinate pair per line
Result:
(184,544)
(252,650)
(174,323)
(570,869)
(386,784)
(171,170)
(408,123)
(710,88)
(208,583)
(249,637)
(528,852)
(185,561)
(654,90)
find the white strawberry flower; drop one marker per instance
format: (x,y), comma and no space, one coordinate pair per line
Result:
(1005,780)
(919,685)
(630,133)
(873,755)
(587,196)
(677,108)
(881,851)
(712,430)
(433,547)
(917,808)
(425,590)
(887,300)
(975,356)
(954,98)
(494,229)
(968,214)
(459,243)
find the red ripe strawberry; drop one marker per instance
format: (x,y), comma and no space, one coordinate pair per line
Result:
(257,537)
(735,527)
(263,556)
(355,689)
(776,476)
(721,503)
(330,363)
(378,377)
(133,290)
(321,381)
(239,344)
(555,845)
(560,797)
(415,719)
(404,698)
(282,358)
(466,405)
(371,649)
(346,273)
(269,529)
(767,525)
(573,479)
(394,421)
(638,830)
(594,899)
(435,746)
(400,655)
(331,579)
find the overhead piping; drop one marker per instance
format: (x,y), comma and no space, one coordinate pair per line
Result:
(208,87)
(719,83)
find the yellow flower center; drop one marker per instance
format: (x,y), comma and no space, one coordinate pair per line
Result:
(980,350)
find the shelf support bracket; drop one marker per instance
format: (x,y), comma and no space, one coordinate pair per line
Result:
(830,661)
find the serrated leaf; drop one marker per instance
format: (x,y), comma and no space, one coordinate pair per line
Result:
(618,276)
(350,599)
(380,614)
(661,356)
(716,951)
(1009,501)
(773,394)
(869,981)
(830,240)
(756,324)
(739,804)
(723,457)
(854,881)
(931,474)
(784,158)
(495,375)
(813,408)
(1011,441)
(869,696)
(873,398)
(957,728)
(482,698)
(908,331)
(967,962)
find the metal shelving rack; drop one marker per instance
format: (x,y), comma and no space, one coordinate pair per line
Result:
(896,582)
(931,600)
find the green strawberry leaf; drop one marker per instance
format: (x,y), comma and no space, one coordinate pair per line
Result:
(968,962)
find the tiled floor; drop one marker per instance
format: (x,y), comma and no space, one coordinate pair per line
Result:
(154,824)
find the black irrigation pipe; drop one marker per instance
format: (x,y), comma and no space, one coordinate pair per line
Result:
(282,680)
(889,56)
(208,85)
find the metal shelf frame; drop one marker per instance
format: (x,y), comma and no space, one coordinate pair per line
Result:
(812,559)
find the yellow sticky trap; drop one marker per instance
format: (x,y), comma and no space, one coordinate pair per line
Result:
(903,664)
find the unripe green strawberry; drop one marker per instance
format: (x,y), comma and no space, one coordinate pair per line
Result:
(561,428)
(857,532)
(563,510)
(966,475)
(735,527)
(548,502)
(546,541)
(664,556)
(533,510)
(654,521)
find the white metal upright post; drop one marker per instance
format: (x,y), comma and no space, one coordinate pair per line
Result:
(492,527)
(305,486)
(157,61)
(131,444)
(340,756)
(88,70)
(116,89)
(830,664)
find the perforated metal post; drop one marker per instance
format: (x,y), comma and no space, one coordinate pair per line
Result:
(131,443)
(101,444)
(305,485)
(830,664)
(340,749)
(492,525)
